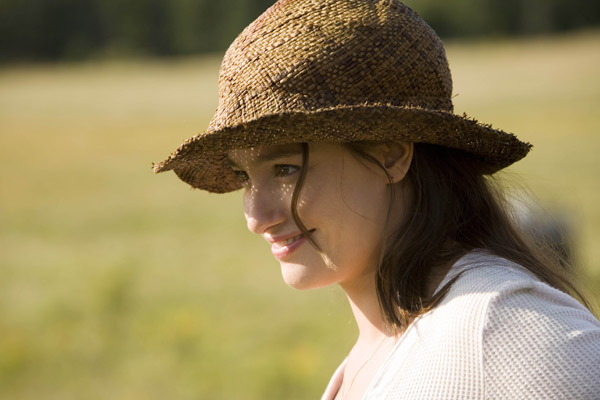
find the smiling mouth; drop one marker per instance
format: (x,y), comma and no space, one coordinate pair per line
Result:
(283,248)
(288,241)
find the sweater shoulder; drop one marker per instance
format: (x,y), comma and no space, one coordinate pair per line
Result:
(482,272)
(536,341)
(478,341)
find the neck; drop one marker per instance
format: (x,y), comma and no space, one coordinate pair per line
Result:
(367,311)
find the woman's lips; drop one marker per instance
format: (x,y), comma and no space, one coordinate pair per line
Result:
(283,248)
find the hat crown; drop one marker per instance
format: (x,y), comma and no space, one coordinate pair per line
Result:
(311,55)
(335,71)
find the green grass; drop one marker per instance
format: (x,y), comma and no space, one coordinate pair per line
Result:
(116,283)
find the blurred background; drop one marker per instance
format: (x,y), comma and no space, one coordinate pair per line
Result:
(116,283)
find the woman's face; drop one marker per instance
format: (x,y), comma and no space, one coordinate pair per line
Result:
(343,203)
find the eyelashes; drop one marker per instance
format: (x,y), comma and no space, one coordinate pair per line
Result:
(284,170)
(242,176)
(281,171)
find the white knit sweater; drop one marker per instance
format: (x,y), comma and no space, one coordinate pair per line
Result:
(499,333)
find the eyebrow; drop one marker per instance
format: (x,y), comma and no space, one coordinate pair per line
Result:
(275,154)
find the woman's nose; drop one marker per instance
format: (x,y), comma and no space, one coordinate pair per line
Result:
(264,210)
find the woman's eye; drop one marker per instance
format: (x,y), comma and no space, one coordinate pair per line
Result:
(285,170)
(242,176)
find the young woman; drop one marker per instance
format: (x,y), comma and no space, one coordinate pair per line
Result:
(335,117)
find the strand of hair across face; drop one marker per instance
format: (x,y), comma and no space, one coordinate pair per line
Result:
(294,208)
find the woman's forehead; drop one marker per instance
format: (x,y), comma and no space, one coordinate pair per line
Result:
(263,153)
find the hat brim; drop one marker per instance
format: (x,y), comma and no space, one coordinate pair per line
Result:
(202,160)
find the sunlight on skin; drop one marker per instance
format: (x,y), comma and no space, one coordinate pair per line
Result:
(343,203)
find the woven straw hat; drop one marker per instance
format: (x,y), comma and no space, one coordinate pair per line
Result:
(334,71)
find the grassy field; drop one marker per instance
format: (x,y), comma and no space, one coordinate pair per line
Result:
(116,283)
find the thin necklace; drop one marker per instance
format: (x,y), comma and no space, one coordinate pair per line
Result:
(345,392)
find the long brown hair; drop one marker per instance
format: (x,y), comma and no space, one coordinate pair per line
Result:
(455,207)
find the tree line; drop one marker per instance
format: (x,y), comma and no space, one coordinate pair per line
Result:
(33,30)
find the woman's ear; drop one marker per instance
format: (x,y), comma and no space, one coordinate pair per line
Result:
(396,158)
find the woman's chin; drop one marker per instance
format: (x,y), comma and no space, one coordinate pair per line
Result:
(302,277)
